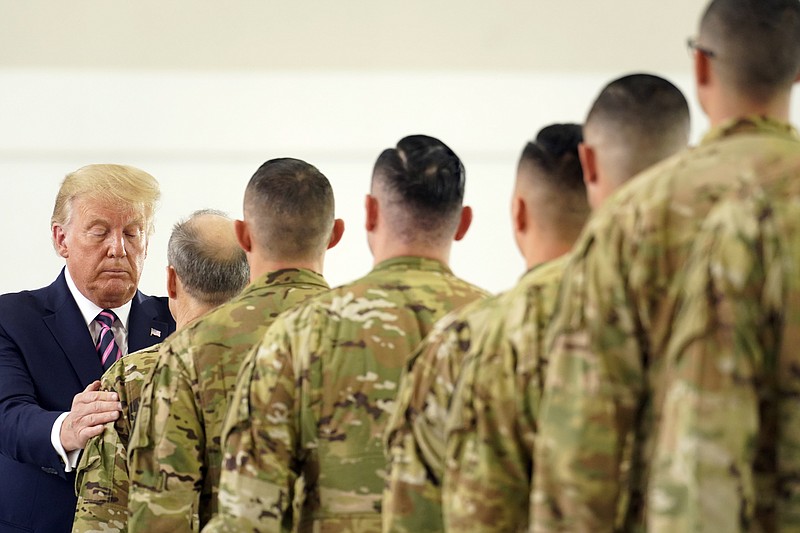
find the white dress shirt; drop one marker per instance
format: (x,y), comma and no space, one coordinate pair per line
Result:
(89,310)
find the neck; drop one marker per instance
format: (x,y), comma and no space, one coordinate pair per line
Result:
(190,309)
(731,106)
(260,265)
(543,248)
(390,248)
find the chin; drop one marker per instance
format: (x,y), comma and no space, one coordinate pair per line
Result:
(120,293)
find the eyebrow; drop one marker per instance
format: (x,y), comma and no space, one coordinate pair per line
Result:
(103,222)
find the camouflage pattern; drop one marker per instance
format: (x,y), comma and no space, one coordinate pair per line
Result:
(429,416)
(102,474)
(728,451)
(174,455)
(415,434)
(303,438)
(609,365)
(493,410)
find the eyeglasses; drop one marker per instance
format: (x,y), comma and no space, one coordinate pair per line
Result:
(694,46)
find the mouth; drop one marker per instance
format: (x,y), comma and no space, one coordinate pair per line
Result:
(116,272)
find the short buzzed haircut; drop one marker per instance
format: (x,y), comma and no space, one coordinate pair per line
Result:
(423,183)
(291,209)
(755,44)
(212,268)
(644,116)
(550,169)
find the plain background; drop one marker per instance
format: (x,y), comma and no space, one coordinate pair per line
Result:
(199,93)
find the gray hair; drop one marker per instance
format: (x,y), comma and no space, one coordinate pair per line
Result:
(210,264)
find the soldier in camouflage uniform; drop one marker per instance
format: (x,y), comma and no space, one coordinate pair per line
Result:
(668,400)
(549,209)
(206,268)
(311,407)
(174,453)
(635,122)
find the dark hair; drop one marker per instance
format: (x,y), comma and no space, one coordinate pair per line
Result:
(291,207)
(212,270)
(756,43)
(424,177)
(555,153)
(645,114)
(644,102)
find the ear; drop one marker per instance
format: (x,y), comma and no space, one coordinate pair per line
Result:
(243,235)
(172,283)
(588,159)
(336,233)
(464,223)
(60,240)
(371,207)
(797,79)
(702,68)
(519,214)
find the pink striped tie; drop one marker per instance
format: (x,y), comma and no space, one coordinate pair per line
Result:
(107,349)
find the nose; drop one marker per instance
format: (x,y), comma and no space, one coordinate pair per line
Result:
(116,245)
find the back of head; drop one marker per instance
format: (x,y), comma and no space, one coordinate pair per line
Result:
(550,177)
(117,185)
(290,208)
(754,45)
(636,121)
(421,186)
(207,258)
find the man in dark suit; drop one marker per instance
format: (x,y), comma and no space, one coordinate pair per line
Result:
(56,341)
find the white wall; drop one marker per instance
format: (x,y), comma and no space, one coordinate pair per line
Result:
(203,134)
(200,95)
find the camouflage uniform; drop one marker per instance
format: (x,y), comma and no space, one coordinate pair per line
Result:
(492,421)
(174,456)
(415,431)
(728,451)
(311,407)
(609,364)
(102,475)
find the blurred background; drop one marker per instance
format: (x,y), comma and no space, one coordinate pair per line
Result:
(200,93)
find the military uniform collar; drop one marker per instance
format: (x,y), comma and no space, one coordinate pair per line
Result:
(287,276)
(412,263)
(556,262)
(751,124)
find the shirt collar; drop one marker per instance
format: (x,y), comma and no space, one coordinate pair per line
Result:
(89,309)
(412,262)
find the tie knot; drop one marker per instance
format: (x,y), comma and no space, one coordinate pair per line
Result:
(106,317)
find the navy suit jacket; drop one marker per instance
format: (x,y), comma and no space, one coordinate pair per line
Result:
(47,356)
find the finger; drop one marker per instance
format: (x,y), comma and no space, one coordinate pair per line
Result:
(97,419)
(93,386)
(95,396)
(87,433)
(85,409)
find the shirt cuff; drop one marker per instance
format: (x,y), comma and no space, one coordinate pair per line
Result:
(70,459)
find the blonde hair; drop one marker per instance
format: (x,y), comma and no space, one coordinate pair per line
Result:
(115,184)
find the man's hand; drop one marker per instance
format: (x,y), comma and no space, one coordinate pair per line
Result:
(91,409)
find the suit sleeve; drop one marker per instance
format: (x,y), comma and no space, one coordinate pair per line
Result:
(25,434)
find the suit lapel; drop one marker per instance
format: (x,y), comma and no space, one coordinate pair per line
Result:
(70,332)
(144,326)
